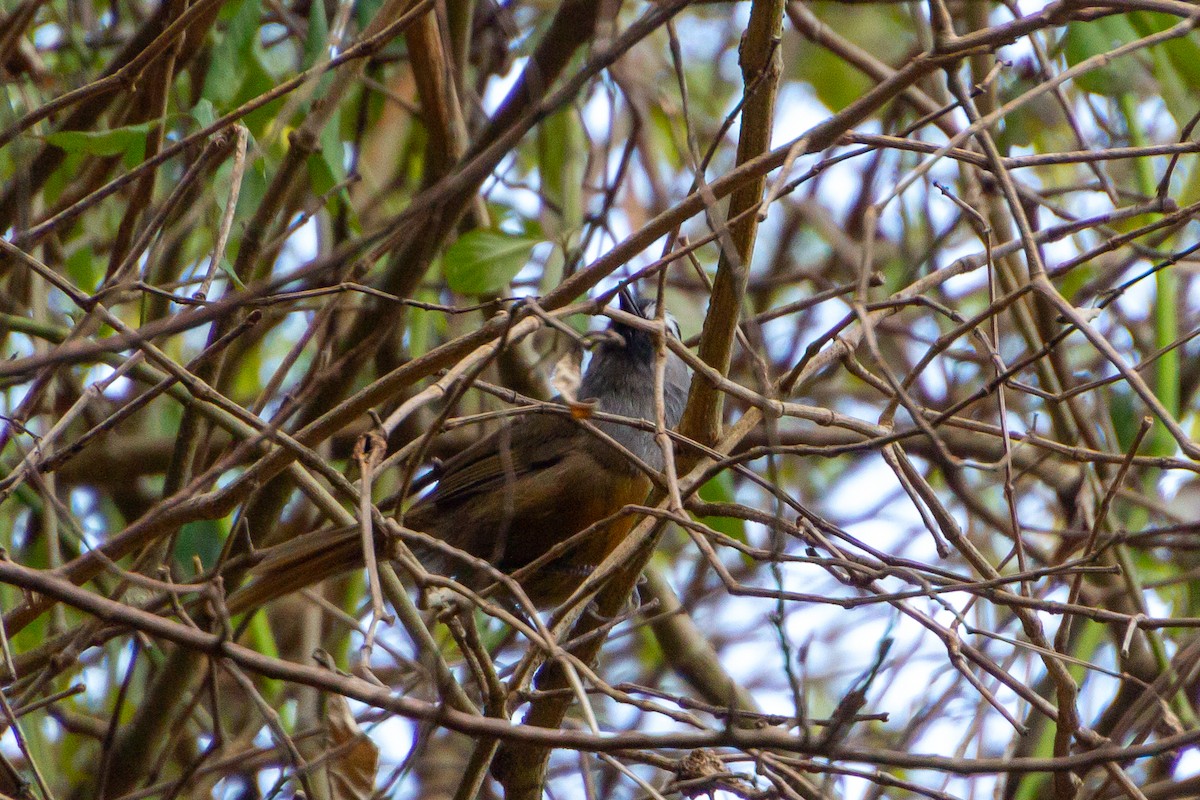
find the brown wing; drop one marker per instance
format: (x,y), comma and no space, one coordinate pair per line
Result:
(507,498)
(297,563)
(524,490)
(530,444)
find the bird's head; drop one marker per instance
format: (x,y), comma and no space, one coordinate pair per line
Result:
(622,370)
(639,342)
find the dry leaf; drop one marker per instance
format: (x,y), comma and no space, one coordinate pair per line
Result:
(353,769)
(566,376)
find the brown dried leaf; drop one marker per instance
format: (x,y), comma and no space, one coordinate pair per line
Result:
(567,376)
(353,768)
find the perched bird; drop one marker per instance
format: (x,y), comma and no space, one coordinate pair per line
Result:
(529,486)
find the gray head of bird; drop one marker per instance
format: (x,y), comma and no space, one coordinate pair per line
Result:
(640,342)
(622,370)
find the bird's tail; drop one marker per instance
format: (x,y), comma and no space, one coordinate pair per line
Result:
(310,558)
(297,564)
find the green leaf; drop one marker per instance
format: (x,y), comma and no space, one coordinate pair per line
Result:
(1087,39)
(320,173)
(1174,64)
(204,112)
(318,34)
(233,52)
(422,325)
(1183,51)
(836,83)
(258,80)
(1018,128)
(1190,191)
(67,172)
(365,11)
(332,153)
(485,261)
(227,268)
(83,267)
(1124,416)
(203,538)
(253,188)
(119,141)
(719,489)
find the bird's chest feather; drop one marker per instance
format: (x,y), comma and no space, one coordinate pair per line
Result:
(586,493)
(581,509)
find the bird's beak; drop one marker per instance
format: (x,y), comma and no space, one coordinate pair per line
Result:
(627,302)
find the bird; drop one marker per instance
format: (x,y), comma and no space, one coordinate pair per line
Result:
(528,487)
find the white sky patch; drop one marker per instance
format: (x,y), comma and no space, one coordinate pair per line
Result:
(1017,51)
(499,86)
(1058,252)
(780,335)
(82,503)
(1137,301)
(301,246)
(797,110)
(523,199)
(194,340)
(873,473)
(853,787)
(267,778)
(21,531)
(942,210)
(925,331)
(1028,7)
(262,737)
(965,283)
(8,744)
(63,306)
(1155,118)
(699,38)
(1084,204)
(100,372)
(18,346)
(1188,764)
(1171,482)
(525,282)
(95,680)
(289,331)
(271,32)
(596,115)
(47,37)
(1156,606)
(229,476)
(50,728)
(393,736)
